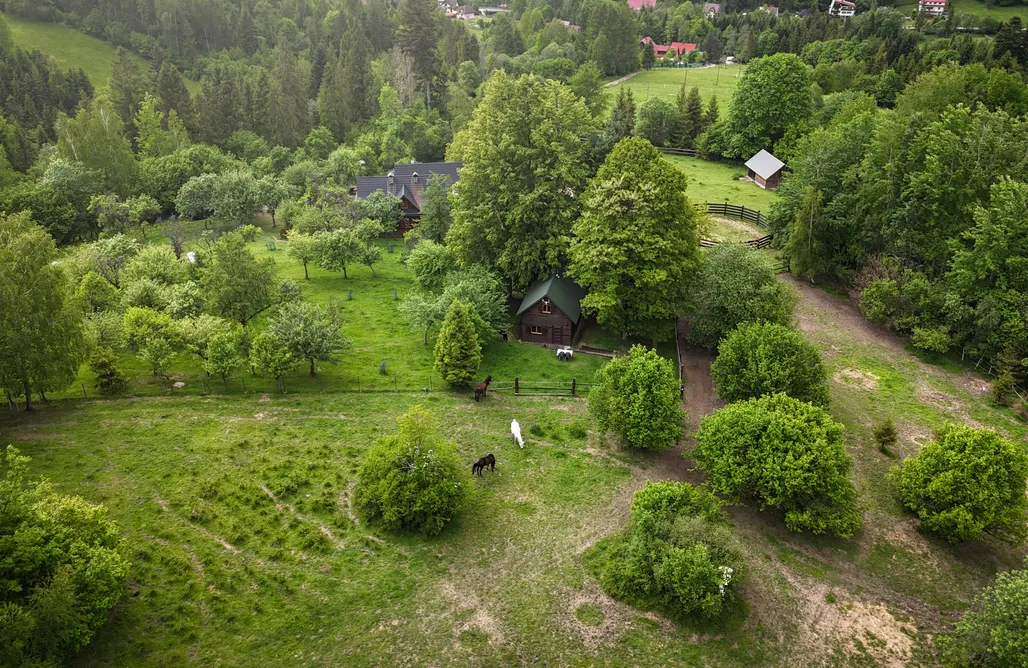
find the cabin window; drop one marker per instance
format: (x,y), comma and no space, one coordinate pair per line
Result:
(537,330)
(546,306)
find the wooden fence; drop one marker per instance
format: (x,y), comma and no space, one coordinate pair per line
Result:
(762,242)
(691,152)
(737,212)
(524,388)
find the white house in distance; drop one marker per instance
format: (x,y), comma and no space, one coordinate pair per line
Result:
(765,170)
(932,7)
(843,8)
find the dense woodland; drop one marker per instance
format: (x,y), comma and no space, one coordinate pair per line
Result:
(126,212)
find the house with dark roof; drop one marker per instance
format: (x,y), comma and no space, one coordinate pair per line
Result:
(711,9)
(407,181)
(765,170)
(551,311)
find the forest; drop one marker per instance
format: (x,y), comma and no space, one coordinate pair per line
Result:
(236,388)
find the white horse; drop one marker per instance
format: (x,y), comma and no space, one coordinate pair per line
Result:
(515,431)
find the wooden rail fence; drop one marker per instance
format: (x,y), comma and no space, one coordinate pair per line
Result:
(738,212)
(762,242)
(524,388)
(691,152)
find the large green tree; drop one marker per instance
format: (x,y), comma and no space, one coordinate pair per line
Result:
(96,138)
(636,246)
(41,335)
(308,333)
(238,285)
(993,632)
(966,482)
(526,161)
(773,97)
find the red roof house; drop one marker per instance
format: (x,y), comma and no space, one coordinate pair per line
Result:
(639,4)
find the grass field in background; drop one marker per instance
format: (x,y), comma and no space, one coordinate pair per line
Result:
(70,48)
(665,83)
(973,7)
(718,182)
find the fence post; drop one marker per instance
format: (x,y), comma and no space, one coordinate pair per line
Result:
(572,386)
(517,388)
(83,390)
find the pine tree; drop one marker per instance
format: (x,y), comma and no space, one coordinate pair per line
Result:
(172,93)
(804,247)
(712,114)
(129,84)
(355,56)
(621,122)
(333,107)
(246,32)
(288,101)
(692,117)
(457,352)
(418,36)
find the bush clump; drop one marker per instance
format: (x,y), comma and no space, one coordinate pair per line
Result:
(109,379)
(61,569)
(735,285)
(885,436)
(412,480)
(786,454)
(965,483)
(679,551)
(639,398)
(994,631)
(765,358)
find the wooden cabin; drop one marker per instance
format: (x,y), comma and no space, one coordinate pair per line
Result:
(765,170)
(551,311)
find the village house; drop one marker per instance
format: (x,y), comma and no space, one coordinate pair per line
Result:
(932,7)
(407,181)
(773,11)
(661,50)
(765,170)
(465,12)
(639,4)
(711,9)
(551,311)
(842,8)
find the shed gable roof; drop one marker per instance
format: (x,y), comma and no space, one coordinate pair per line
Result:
(563,292)
(764,165)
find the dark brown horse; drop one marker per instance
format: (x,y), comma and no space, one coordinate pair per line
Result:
(479,466)
(482,387)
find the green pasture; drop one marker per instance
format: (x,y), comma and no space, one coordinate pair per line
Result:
(666,83)
(711,181)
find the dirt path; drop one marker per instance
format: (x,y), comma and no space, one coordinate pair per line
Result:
(621,80)
(820,313)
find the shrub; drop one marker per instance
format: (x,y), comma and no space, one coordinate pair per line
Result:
(735,285)
(967,482)
(786,454)
(457,351)
(63,569)
(931,339)
(144,324)
(109,380)
(1003,388)
(639,398)
(763,358)
(678,551)
(885,436)
(412,480)
(994,631)
(96,294)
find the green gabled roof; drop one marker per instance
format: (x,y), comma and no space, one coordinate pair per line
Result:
(563,292)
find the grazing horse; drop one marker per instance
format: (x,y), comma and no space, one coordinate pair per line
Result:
(482,387)
(479,466)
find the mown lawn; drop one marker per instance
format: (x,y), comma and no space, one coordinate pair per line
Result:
(998,12)
(70,48)
(666,83)
(377,333)
(711,181)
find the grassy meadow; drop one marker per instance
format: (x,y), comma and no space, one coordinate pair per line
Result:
(70,48)
(977,7)
(245,549)
(667,82)
(711,181)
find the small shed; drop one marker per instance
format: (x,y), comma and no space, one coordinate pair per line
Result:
(550,311)
(765,170)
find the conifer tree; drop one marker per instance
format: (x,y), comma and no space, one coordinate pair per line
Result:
(692,117)
(418,36)
(172,93)
(711,116)
(457,352)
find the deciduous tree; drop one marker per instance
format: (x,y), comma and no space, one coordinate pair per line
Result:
(308,333)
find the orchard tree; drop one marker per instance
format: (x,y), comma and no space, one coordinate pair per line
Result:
(303,247)
(735,285)
(784,454)
(308,333)
(431,263)
(64,569)
(42,343)
(238,285)
(112,214)
(336,249)
(636,246)
(526,161)
(967,482)
(638,397)
(223,356)
(196,197)
(412,480)
(765,358)
(269,356)
(457,352)
(773,97)
(112,254)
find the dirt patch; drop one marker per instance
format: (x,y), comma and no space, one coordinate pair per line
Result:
(941,400)
(822,314)
(617,618)
(833,617)
(857,378)
(741,230)
(978,387)
(462,600)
